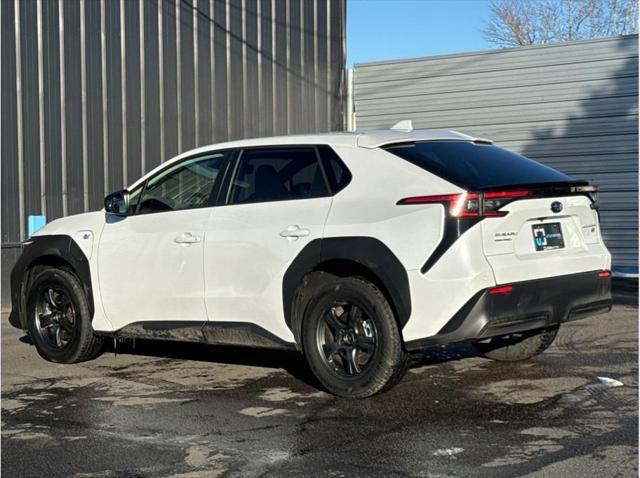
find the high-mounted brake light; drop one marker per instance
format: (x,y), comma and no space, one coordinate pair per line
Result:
(503,289)
(469,204)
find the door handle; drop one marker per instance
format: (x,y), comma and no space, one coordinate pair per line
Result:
(187,238)
(294,232)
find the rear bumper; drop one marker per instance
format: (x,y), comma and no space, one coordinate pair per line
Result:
(530,305)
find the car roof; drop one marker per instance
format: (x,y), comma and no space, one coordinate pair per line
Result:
(369,139)
(365,139)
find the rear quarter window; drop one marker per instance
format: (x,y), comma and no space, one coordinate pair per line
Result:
(474,166)
(337,173)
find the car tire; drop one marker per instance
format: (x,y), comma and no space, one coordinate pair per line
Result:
(351,339)
(58,317)
(517,347)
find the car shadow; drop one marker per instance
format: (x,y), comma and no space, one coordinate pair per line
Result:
(25,339)
(262,357)
(290,361)
(442,354)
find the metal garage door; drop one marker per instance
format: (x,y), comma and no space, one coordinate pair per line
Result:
(573,106)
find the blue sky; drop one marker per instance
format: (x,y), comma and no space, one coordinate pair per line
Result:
(391,29)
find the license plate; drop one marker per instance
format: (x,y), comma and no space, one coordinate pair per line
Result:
(547,236)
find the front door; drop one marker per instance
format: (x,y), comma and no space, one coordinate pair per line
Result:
(150,262)
(278,203)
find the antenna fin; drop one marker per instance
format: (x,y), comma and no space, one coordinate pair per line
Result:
(404,125)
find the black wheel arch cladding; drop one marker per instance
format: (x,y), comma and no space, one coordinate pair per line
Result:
(368,253)
(60,247)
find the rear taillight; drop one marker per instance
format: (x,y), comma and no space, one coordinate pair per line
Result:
(485,204)
(494,200)
(584,189)
(460,205)
(604,274)
(591,191)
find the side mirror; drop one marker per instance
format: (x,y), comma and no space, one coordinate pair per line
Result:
(117,203)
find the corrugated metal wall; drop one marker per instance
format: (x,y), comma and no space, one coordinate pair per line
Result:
(94,93)
(573,106)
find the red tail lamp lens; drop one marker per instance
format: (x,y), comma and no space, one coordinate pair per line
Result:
(516,193)
(503,289)
(494,200)
(604,274)
(468,204)
(460,205)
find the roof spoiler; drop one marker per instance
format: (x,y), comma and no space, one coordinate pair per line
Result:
(406,126)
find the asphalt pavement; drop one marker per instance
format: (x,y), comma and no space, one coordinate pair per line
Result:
(182,410)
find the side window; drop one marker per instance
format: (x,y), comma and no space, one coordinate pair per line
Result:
(278,175)
(337,173)
(185,185)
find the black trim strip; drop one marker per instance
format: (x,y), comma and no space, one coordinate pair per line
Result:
(322,170)
(243,334)
(453,229)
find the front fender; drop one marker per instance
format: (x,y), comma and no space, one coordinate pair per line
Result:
(46,249)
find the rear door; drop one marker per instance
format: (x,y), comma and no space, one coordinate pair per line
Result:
(277,204)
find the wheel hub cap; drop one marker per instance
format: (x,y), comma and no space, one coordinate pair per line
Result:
(349,339)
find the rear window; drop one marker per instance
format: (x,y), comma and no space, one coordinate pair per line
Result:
(475,166)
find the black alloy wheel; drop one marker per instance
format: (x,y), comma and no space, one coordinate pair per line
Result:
(350,337)
(55,317)
(346,339)
(59,316)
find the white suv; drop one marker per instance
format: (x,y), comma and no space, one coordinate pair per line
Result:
(354,248)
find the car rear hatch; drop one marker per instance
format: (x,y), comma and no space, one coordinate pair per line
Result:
(535,232)
(536,222)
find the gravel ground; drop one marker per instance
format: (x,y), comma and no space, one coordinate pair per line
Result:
(182,410)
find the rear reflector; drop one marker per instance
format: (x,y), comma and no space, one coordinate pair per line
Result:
(604,274)
(503,289)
